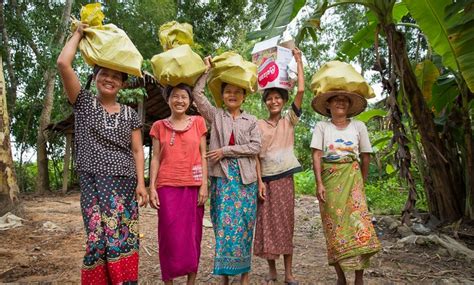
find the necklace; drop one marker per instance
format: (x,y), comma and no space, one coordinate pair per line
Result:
(106,121)
(173,132)
(105,114)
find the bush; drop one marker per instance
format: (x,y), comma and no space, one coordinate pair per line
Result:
(26,176)
(388,196)
(304,183)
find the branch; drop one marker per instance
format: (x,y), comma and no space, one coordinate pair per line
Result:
(61,31)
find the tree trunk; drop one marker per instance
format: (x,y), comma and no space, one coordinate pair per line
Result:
(469,154)
(8,183)
(13,84)
(446,183)
(42,180)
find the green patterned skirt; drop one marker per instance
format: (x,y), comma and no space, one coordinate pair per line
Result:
(350,235)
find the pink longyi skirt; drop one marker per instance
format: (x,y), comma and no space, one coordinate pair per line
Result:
(179,231)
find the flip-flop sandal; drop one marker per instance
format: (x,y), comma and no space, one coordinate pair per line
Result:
(294,282)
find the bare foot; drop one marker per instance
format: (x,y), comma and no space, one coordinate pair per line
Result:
(341,281)
(224,280)
(245,279)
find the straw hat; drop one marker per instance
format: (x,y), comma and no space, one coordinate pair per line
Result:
(339,78)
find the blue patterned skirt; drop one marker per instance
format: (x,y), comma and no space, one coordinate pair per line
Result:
(233,214)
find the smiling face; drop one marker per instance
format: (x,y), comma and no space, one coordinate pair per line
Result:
(233,96)
(274,102)
(179,101)
(108,82)
(338,105)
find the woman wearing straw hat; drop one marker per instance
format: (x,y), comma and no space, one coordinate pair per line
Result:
(233,147)
(338,144)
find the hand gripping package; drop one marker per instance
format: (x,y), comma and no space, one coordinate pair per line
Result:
(107,45)
(272,61)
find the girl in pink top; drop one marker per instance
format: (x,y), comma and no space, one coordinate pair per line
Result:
(179,174)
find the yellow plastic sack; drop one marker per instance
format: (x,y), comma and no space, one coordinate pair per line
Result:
(107,45)
(337,75)
(177,65)
(231,68)
(92,15)
(174,34)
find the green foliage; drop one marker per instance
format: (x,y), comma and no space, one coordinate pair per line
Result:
(27,173)
(305,183)
(365,37)
(460,16)
(370,114)
(278,16)
(426,74)
(429,15)
(388,196)
(445,90)
(26,176)
(450,29)
(221,25)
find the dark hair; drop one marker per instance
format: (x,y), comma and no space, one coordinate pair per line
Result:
(182,86)
(95,71)
(283,93)
(224,84)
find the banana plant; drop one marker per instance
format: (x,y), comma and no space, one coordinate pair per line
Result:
(450,31)
(455,21)
(278,16)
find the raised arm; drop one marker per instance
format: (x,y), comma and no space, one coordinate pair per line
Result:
(205,107)
(300,92)
(71,83)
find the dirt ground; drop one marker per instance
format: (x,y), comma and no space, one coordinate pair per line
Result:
(35,254)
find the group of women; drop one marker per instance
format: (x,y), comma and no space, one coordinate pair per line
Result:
(250,165)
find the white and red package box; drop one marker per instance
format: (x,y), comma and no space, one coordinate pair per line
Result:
(272,61)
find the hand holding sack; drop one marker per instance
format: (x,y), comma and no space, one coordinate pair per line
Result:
(179,63)
(339,78)
(107,45)
(231,68)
